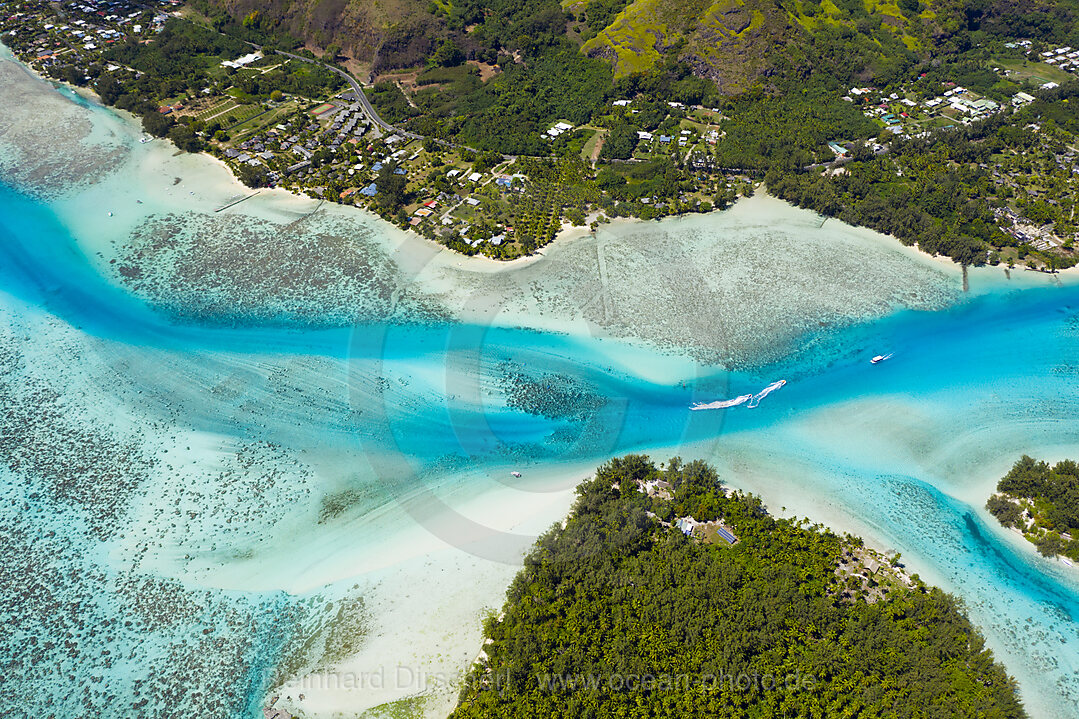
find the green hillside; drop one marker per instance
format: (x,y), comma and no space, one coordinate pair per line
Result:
(719,39)
(733,42)
(737,44)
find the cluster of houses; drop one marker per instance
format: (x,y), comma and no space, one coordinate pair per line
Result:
(1063,57)
(463,178)
(296,138)
(349,122)
(85,26)
(708,531)
(1066,58)
(956,104)
(1040,238)
(470,236)
(296,143)
(964,102)
(682,139)
(883,109)
(288,150)
(656,141)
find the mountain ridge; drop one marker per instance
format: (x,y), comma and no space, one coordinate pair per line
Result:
(736,44)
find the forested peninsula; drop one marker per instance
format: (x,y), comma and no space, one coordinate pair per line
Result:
(666,594)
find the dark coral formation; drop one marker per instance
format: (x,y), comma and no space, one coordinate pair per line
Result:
(237,270)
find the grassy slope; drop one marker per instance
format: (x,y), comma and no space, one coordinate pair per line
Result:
(729,41)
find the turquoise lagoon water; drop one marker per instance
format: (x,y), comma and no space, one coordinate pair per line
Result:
(163,480)
(892,446)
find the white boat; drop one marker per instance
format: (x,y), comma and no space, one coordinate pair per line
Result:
(880,358)
(749,400)
(516,474)
(756,399)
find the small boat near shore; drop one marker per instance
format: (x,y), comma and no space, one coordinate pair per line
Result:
(880,358)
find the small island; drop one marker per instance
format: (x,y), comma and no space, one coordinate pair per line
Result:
(665,593)
(1041,501)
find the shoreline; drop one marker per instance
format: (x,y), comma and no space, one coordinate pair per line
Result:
(485,264)
(566,233)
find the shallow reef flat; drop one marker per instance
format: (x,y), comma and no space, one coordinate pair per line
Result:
(736,288)
(238,269)
(741,288)
(92,510)
(49,145)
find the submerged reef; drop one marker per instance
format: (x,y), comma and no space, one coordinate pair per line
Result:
(90,507)
(318,271)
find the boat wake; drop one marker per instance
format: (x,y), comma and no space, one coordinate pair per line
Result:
(749,400)
(723,403)
(756,399)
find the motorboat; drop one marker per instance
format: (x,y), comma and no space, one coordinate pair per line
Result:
(749,400)
(756,399)
(880,358)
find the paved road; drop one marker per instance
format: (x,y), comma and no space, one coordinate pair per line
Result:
(369,109)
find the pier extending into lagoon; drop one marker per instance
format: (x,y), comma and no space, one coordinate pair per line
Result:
(235,202)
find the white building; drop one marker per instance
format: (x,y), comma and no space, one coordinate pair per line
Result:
(245,60)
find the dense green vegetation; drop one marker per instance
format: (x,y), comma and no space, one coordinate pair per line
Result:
(938,191)
(776,72)
(256,26)
(296,78)
(617,615)
(786,133)
(510,112)
(185,56)
(184,59)
(179,57)
(1043,501)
